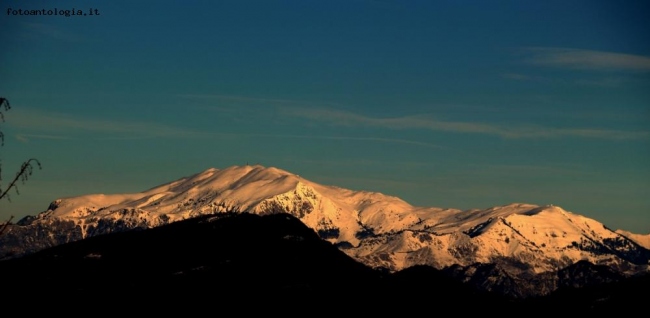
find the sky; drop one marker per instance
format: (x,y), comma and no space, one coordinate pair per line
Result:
(459,104)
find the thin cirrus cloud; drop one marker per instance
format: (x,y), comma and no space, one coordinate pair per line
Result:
(349,138)
(237,98)
(27,137)
(343,118)
(51,125)
(586,59)
(49,31)
(59,126)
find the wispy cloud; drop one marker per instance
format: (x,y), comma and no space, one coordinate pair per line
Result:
(605,82)
(51,31)
(238,103)
(526,171)
(50,125)
(27,137)
(343,118)
(586,59)
(342,138)
(519,77)
(62,126)
(371,139)
(238,98)
(600,81)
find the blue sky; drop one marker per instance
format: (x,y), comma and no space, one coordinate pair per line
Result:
(464,104)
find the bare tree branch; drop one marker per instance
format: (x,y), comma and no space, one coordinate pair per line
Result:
(23,174)
(3,227)
(4,103)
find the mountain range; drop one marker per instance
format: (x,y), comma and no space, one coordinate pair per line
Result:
(246,263)
(519,249)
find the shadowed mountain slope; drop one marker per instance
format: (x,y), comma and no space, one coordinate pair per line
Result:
(250,263)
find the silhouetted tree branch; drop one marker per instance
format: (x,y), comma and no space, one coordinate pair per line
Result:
(4,103)
(23,174)
(4,226)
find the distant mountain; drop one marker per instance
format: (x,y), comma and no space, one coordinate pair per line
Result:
(517,249)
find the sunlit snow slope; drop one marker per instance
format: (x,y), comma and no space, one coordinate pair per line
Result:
(378,230)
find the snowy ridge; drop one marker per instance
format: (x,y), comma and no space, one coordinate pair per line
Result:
(253,189)
(548,238)
(376,229)
(643,240)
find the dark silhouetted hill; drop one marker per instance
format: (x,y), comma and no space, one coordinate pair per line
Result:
(242,262)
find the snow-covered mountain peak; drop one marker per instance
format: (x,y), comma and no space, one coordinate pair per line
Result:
(237,184)
(376,229)
(549,209)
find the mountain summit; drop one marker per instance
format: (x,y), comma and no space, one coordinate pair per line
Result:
(519,240)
